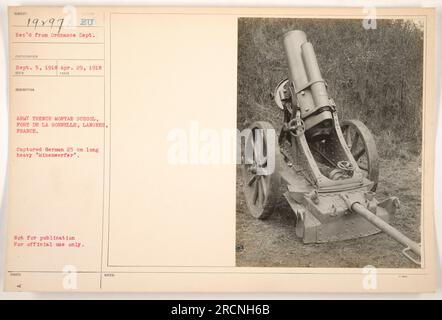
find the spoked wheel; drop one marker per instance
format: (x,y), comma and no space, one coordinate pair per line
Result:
(361,143)
(260,180)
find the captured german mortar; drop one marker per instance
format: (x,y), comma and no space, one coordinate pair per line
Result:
(329,171)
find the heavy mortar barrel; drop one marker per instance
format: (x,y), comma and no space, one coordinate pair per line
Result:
(316,82)
(384,226)
(293,41)
(309,87)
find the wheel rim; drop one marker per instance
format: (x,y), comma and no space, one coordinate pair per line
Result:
(362,146)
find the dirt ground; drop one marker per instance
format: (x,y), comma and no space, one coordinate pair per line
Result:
(273,243)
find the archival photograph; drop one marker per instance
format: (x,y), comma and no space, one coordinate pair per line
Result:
(330,115)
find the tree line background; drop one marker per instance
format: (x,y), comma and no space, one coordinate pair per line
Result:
(374,75)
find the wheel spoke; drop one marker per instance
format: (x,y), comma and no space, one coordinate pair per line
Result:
(348,136)
(359,154)
(263,187)
(354,143)
(255,193)
(260,192)
(252,180)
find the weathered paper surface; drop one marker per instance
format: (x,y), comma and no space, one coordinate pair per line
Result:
(93,202)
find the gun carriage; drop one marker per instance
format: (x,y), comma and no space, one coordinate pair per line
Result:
(328,170)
